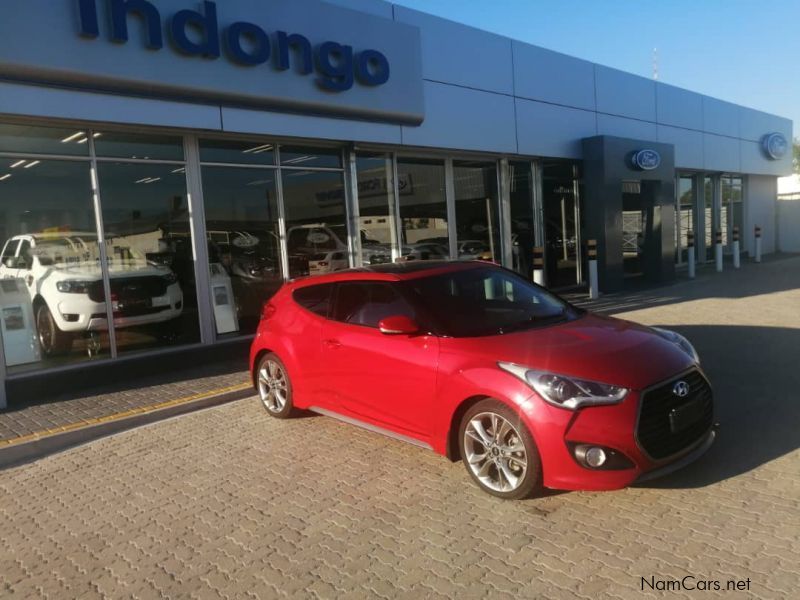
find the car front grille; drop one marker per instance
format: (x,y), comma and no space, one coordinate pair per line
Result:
(131,288)
(669,423)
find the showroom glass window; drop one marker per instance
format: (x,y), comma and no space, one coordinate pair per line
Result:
(708,216)
(731,214)
(142,180)
(423,209)
(522,218)
(52,305)
(314,201)
(242,230)
(685,207)
(477,212)
(376,207)
(561,200)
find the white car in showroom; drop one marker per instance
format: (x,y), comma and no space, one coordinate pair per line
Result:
(61,272)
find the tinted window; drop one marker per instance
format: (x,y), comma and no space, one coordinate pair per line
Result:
(368,303)
(487,301)
(316,298)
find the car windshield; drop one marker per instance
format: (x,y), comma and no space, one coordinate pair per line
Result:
(82,249)
(487,301)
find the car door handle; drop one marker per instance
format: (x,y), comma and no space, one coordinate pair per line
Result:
(332,344)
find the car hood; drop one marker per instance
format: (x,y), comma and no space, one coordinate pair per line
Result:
(591,347)
(115,271)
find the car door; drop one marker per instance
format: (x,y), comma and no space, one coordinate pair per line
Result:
(387,380)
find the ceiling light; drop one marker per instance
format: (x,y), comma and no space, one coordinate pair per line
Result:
(83,141)
(6,176)
(181,170)
(299,160)
(73,137)
(258,149)
(33,164)
(19,163)
(96,135)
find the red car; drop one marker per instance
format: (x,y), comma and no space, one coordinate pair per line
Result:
(475,362)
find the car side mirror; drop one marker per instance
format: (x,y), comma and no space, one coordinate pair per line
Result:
(398,325)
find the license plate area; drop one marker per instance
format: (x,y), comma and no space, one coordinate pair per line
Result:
(685,416)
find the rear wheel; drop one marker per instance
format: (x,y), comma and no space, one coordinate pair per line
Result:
(274,387)
(52,340)
(499,452)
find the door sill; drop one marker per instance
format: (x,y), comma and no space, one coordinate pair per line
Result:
(370,427)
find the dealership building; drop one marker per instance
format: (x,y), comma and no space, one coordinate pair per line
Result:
(166,164)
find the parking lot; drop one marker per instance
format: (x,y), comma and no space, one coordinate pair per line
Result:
(229,503)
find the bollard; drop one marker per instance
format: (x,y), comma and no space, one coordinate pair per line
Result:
(690,252)
(758,244)
(736,261)
(538,265)
(594,290)
(718,251)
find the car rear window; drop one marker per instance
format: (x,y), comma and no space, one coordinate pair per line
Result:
(316,298)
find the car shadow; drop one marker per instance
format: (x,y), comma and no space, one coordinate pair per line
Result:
(755,376)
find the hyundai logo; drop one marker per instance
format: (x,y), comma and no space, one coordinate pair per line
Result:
(681,389)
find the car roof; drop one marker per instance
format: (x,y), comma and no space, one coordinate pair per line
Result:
(400,271)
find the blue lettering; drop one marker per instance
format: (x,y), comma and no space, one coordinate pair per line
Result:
(259,42)
(335,62)
(301,45)
(203,24)
(372,68)
(88,12)
(143,9)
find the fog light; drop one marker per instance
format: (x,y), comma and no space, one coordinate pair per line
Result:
(595,457)
(70,318)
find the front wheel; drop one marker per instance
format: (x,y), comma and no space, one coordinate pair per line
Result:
(499,452)
(52,340)
(274,387)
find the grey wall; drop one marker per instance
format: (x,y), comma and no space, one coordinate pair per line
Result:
(761,195)
(482,92)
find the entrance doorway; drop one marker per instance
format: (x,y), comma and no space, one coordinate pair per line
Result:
(641,223)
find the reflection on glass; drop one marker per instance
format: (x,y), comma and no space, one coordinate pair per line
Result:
(151,264)
(52,304)
(423,209)
(560,195)
(477,223)
(634,228)
(315,222)
(243,238)
(307,158)
(522,232)
(685,216)
(731,215)
(376,209)
(133,145)
(27,139)
(708,198)
(238,152)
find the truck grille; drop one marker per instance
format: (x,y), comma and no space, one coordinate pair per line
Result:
(131,288)
(669,423)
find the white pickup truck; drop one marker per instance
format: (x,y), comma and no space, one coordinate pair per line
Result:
(61,272)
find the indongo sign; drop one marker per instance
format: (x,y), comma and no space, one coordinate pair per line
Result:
(304,57)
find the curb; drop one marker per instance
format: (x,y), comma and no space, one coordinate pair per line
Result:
(34,446)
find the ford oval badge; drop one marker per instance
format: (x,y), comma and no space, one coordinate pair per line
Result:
(646,160)
(775,145)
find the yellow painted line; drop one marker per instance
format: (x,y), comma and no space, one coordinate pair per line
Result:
(122,415)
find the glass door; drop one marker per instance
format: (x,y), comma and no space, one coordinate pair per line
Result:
(685,221)
(561,199)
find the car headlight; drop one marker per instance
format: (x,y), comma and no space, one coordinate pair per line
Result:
(680,341)
(73,286)
(170,278)
(567,392)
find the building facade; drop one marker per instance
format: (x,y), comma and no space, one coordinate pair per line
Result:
(166,164)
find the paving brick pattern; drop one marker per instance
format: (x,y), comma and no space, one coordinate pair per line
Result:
(229,503)
(65,409)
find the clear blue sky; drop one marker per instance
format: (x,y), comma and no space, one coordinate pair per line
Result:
(743,51)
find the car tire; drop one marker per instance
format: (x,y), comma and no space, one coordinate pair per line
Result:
(52,340)
(499,451)
(274,387)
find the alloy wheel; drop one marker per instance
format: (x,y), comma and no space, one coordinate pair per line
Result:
(272,386)
(495,452)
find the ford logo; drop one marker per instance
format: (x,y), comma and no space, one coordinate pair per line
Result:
(775,145)
(646,160)
(681,389)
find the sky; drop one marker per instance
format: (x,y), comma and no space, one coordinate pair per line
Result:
(743,51)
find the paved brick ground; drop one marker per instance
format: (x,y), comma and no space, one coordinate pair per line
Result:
(59,410)
(229,503)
